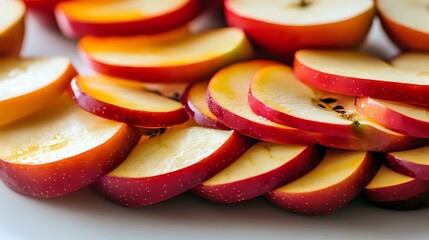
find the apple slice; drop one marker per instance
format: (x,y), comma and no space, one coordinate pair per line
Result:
(61,149)
(339,178)
(123,17)
(414,61)
(405,23)
(28,85)
(164,166)
(264,167)
(150,59)
(283,27)
(358,74)
(194,100)
(413,162)
(393,190)
(126,101)
(43,10)
(12,27)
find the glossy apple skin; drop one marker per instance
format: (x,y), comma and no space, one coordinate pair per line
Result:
(254,186)
(137,192)
(412,169)
(392,119)
(415,202)
(120,114)
(157,24)
(198,116)
(393,91)
(331,198)
(282,41)
(70,174)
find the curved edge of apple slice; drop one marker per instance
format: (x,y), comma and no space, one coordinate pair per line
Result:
(12,38)
(409,166)
(74,28)
(145,191)
(122,114)
(256,185)
(327,199)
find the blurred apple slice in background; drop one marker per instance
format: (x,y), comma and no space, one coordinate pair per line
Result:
(158,59)
(359,74)
(28,85)
(12,27)
(43,10)
(164,166)
(195,101)
(338,179)
(126,101)
(61,149)
(78,18)
(283,27)
(262,168)
(405,23)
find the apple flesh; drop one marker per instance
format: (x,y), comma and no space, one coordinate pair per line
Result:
(194,100)
(123,17)
(126,101)
(404,22)
(339,178)
(164,166)
(12,27)
(414,61)
(61,149)
(151,59)
(283,27)
(413,162)
(359,74)
(264,167)
(29,85)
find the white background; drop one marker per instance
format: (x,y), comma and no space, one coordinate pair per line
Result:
(86,215)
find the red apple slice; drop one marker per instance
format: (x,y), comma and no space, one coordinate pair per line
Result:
(264,167)
(43,10)
(405,23)
(61,150)
(123,17)
(391,186)
(28,85)
(164,166)
(283,27)
(12,15)
(126,101)
(339,178)
(194,100)
(276,94)
(358,74)
(413,162)
(151,59)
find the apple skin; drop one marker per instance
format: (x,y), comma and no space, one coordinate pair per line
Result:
(331,198)
(70,174)
(120,114)
(409,168)
(282,41)
(405,38)
(413,203)
(11,39)
(157,24)
(359,87)
(254,186)
(43,10)
(145,191)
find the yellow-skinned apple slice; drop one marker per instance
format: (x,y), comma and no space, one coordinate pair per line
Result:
(123,17)
(413,162)
(12,27)
(393,190)
(283,27)
(339,178)
(405,23)
(126,101)
(194,100)
(28,85)
(264,167)
(149,59)
(358,74)
(277,95)
(164,166)
(61,149)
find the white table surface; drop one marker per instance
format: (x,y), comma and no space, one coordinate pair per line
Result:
(86,215)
